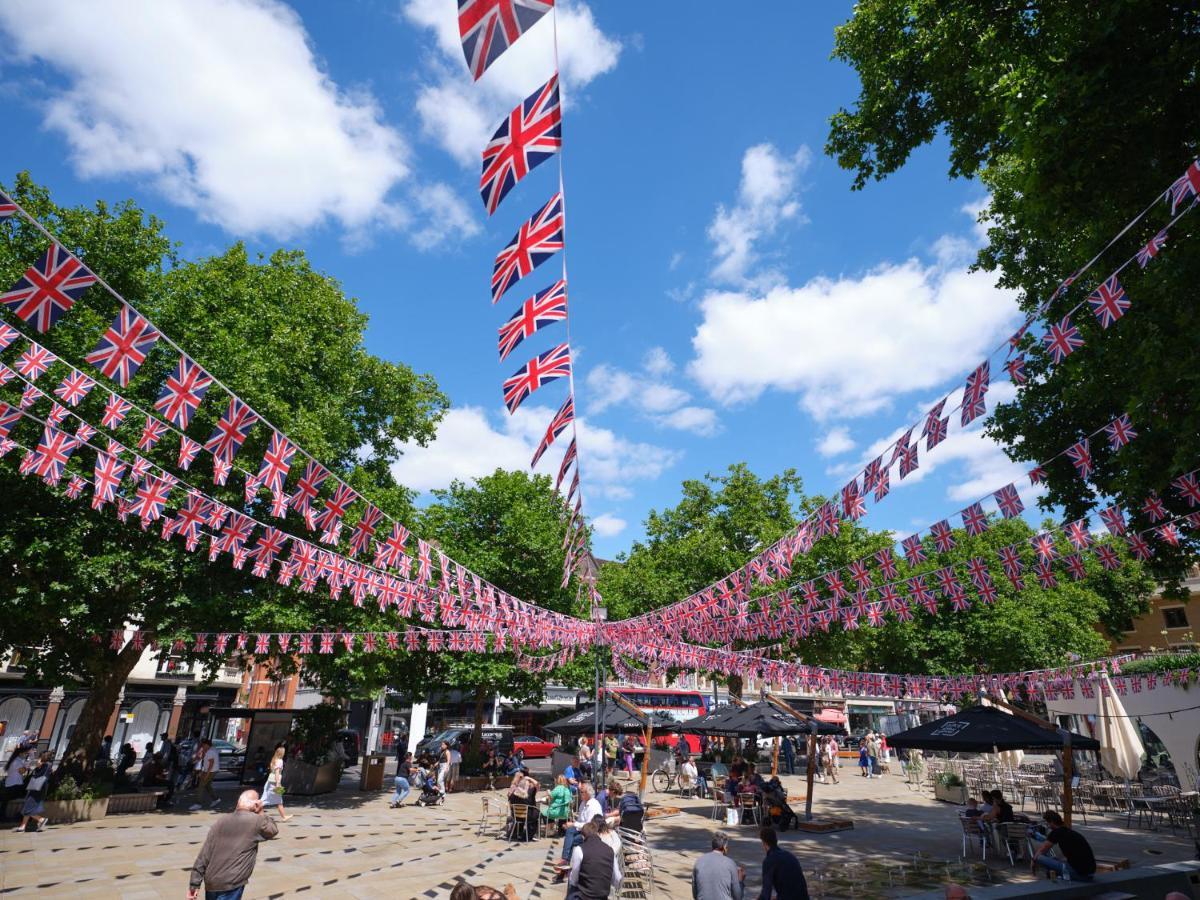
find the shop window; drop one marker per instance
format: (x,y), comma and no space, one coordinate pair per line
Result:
(1175,617)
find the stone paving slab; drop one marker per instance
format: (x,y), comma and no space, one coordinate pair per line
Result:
(349,844)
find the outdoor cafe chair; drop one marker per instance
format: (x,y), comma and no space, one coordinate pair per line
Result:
(751,809)
(485,819)
(519,821)
(973,829)
(1014,837)
(718,799)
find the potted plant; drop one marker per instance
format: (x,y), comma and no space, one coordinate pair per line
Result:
(72,802)
(949,786)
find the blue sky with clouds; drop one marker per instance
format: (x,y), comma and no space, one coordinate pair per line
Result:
(731,297)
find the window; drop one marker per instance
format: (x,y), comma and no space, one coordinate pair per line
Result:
(1175,617)
(1133,648)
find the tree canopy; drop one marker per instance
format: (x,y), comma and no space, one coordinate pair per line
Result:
(280,334)
(1074,116)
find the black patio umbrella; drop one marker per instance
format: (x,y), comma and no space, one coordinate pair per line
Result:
(614,719)
(986,729)
(761,719)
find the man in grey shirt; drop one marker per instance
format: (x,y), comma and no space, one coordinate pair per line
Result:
(227,858)
(715,876)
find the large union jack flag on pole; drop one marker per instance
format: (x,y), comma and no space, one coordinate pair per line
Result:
(48,288)
(545,367)
(534,243)
(564,417)
(489,27)
(542,309)
(123,348)
(529,136)
(182,393)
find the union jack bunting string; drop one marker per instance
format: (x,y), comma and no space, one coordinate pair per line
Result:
(48,289)
(489,27)
(527,137)
(542,369)
(544,308)
(534,243)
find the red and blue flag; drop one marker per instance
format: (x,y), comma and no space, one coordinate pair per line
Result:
(528,136)
(48,289)
(534,243)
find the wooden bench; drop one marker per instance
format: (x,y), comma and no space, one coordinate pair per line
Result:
(141,802)
(1111,863)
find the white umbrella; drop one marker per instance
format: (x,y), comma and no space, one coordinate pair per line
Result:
(1120,743)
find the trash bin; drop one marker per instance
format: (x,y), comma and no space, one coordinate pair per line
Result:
(371,778)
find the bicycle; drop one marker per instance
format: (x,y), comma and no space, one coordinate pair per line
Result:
(665,777)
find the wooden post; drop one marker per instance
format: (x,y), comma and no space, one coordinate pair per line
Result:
(1068,766)
(645,765)
(775,758)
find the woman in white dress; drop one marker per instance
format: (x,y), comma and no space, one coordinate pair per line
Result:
(272,794)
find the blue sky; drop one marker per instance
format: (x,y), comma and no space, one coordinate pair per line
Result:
(731,297)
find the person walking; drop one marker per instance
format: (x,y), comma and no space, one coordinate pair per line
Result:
(782,877)
(443,767)
(35,793)
(226,861)
(715,876)
(206,771)
(789,755)
(403,780)
(455,764)
(864,758)
(273,789)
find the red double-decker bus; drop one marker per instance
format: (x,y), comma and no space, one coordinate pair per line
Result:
(680,705)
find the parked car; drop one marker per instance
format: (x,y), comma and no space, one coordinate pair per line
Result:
(499,736)
(232,756)
(533,747)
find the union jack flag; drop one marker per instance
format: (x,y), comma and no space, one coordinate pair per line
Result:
(836,585)
(555,363)
(306,490)
(388,553)
(935,428)
(534,243)
(1045,574)
(883,484)
(564,417)
(115,410)
(330,519)
(360,540)
(1044,545)
(1074,564)
(920,592)
(1062,339)
(57,414)
(1108,557)
(1120,431)
(106,477)
(853,504)
(974,519)
(151,496)
(35,361)
(75,487)
(887,563)
(1081,455)
(8,334)
(489,27)
(860,574)
(48,289)
(1188,488)
(53,450)
(231,430)
(6,374)
(530,135)
(1138,547)
(7,207)
(1154,509)
(140,467)
(1009,501)
(1010,559)
(1016,369)
(182,393)
(123,348)
(1037,475)
(943,537)
(188,520)
(909,461)
(1114,520)
(74,388)
(152,433)
(1077,533)
(974,402)
(1151,249)
(890,596)
(1185,186)
(276,462)
(875,615)
(1109,302)
(542,309)
(914,550)
(9,416)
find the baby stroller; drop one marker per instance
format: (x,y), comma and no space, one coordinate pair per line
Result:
(775,801)
(430,795)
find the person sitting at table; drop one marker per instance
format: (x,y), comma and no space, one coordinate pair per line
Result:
(523,791)
(573,774)
(1001,810)
(514,763)
(492,766)
(1078,863)
(558,809)
(732,785)
(972,811)
(588,809)
(738,768)
(986,806)
(754,778)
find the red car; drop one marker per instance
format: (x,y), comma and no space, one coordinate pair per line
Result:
(533,747)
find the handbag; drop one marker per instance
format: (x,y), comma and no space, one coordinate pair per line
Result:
(36,783)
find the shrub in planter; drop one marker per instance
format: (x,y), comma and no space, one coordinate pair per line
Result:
(71,802)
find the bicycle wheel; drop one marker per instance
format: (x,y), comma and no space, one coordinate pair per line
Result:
(661,781)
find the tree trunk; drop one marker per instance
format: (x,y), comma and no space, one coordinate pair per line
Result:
(735,686)
(477,735)
(108,677)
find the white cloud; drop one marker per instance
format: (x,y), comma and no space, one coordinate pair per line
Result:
(460,114)
(697,419)
(444,216)
(656,397)
(608,525)
(222,105)
(658,362)
(608,386)
(835,442)
(767,197)
(468,444)
(849,345)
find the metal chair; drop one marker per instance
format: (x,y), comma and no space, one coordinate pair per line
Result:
(519,821)
(485,818)
(972,828)
(748,803)
(718,799)
(1014,836)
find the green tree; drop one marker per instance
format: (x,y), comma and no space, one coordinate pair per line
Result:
(1074,116)
(282,336)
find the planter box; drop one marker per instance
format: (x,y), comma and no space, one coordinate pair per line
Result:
(61,812)
(480,783)
(305,780)
(143,802)
(950,794)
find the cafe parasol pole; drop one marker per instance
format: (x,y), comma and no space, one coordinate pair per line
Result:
(811,768)
(649,731)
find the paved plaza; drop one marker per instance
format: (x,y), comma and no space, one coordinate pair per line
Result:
(349,844)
